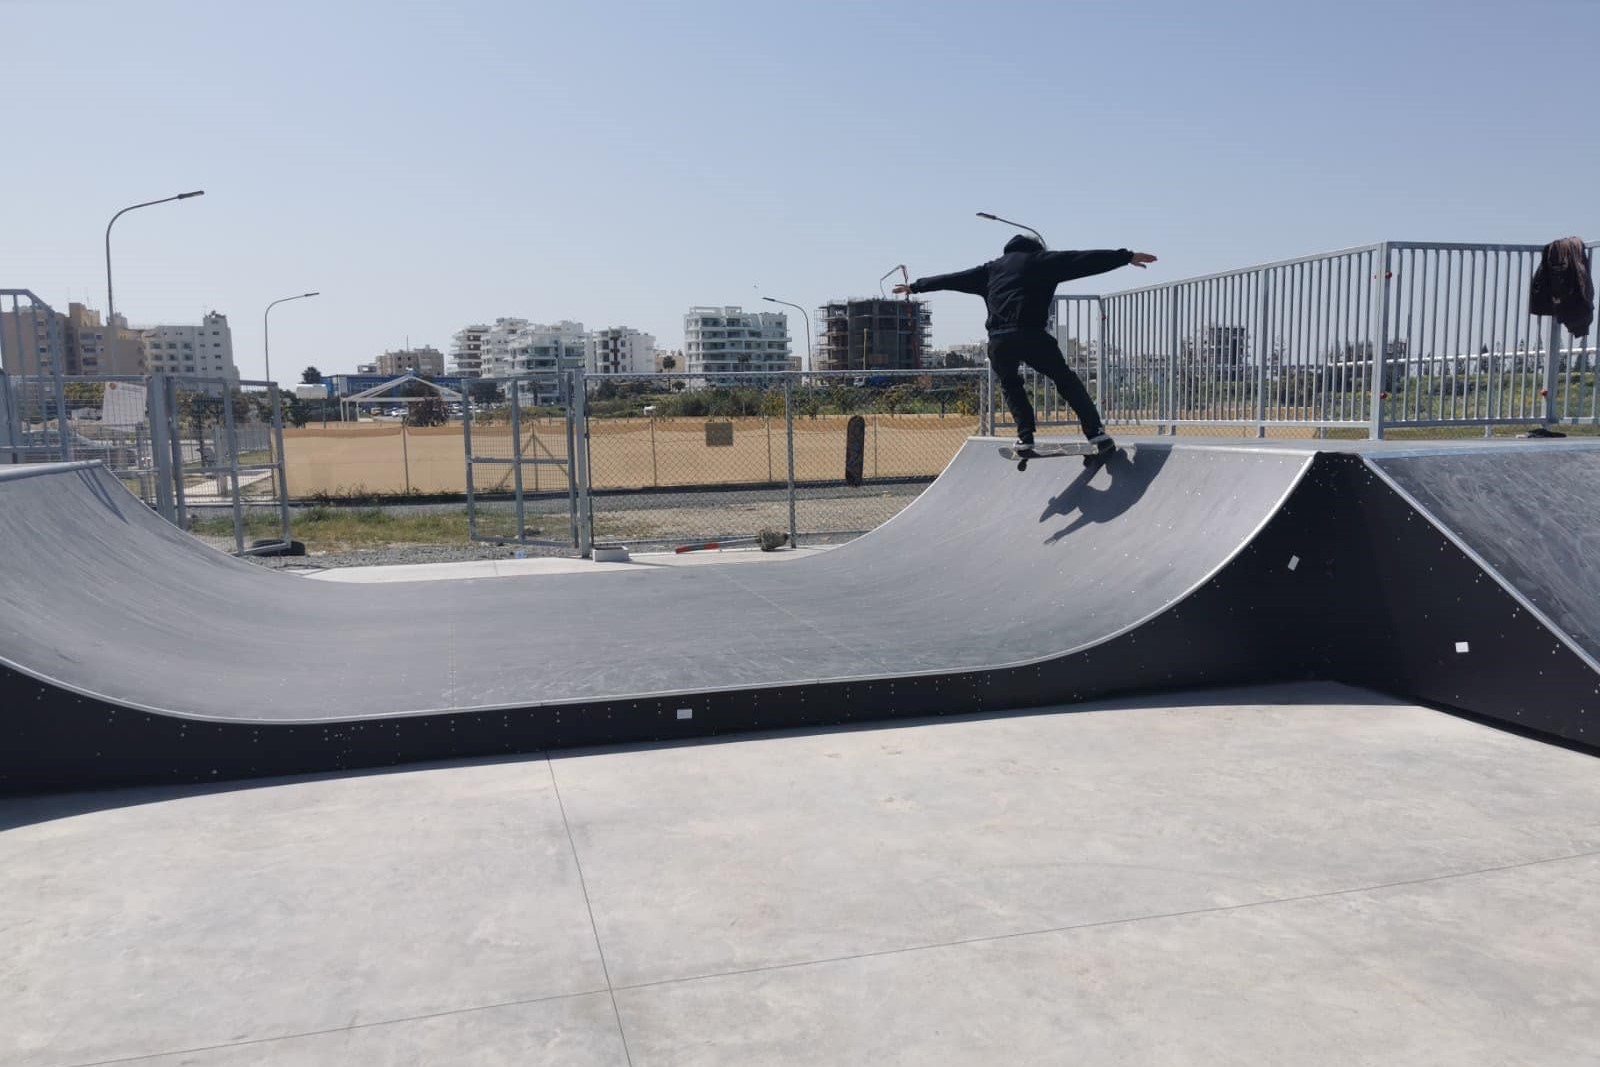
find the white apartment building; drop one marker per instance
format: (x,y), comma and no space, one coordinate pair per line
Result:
(719,339)
(620,350)
(538,348)
(494,351)
(517,346)
(466,350)
(204,351)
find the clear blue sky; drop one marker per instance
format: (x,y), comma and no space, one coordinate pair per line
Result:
(427,165)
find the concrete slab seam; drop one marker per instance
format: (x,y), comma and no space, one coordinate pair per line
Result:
(594,928)
(338,1029)
(1098,923)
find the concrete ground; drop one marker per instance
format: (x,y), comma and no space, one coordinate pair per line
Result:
(1296,875)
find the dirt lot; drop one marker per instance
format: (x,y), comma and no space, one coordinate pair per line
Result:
(624,453)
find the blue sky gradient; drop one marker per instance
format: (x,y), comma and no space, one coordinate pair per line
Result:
(429,165)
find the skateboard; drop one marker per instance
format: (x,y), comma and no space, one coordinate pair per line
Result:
(1022,456)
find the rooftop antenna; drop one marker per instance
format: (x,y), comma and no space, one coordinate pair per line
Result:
(1018,225)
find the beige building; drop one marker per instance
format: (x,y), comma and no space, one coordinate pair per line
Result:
(32,339)
(424,360)
(94,348)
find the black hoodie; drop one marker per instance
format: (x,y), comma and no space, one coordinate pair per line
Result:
(1019,286)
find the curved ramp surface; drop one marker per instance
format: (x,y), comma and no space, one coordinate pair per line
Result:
(993,589)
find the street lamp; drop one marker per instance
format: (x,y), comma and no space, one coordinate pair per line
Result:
(111,304)
(1018,225)
(266,347)
(804,318)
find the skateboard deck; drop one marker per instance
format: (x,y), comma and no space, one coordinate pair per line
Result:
(855,449)
(1022,456)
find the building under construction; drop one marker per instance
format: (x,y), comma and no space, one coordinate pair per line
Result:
(873,334)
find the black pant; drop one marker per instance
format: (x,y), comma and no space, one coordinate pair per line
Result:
(1007,353)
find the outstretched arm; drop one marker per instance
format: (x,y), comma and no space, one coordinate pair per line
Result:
(974,281)
(1065,266)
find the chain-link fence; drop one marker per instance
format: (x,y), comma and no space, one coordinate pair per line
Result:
(816,456)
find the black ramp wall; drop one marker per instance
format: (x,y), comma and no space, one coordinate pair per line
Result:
(1482,562)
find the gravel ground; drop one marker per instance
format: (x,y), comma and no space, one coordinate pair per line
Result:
(389,556)
(645,522)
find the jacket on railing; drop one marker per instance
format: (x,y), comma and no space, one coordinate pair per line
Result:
(1018,287)
(1563,286)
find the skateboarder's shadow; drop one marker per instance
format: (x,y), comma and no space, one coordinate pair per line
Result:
(1127,478)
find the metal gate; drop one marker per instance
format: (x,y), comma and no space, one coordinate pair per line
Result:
(526,458)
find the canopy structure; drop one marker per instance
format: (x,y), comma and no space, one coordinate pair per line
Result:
(379,394)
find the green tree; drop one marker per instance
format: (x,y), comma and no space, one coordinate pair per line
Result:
(429,411)
(311,376)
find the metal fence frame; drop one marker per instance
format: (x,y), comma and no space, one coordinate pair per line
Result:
(566,388)
(1292,344)
(793,488)
(1397,335)
(156,458)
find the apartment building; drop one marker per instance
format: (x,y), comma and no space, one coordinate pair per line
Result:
(466,350)
(494,351)
(33,340)
(620,350)
(730,339)
(204,351)
(96,348)
(873,334)
(423,360)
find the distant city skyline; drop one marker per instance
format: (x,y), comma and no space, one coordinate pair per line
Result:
(413,167)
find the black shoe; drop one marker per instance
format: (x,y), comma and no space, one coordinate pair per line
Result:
(1103,444)
(1023,443)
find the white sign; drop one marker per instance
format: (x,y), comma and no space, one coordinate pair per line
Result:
(124,405)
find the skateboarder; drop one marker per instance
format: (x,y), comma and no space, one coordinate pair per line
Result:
(1018,289)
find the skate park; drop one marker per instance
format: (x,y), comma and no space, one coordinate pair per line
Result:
(1319,713)
(936,535)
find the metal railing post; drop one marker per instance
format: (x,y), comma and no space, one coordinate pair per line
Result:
(1380,341)
(1174,362)
(180,503)
(516,458)
(8,419)
(1552,363)
(788,432)
(283,463)
(988,398)
(1102,394)
(1264,299)
(58,367)
(232,437)
(161,444)
(580,408)
(466,447)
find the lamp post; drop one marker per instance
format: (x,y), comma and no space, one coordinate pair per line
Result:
(804,318)
(1018,225)
(266,346)
(111,304)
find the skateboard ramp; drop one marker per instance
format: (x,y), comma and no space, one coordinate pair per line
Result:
(107,607)
(130,652)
